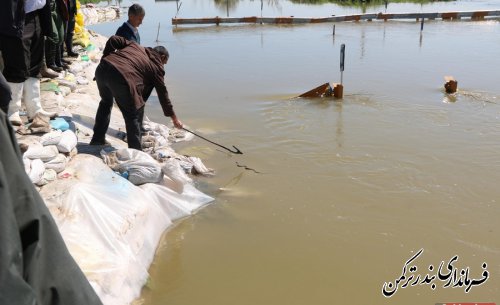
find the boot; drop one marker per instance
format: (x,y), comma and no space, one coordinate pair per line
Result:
(47,72)
(32,99)
(59,63)
(15,103)
(50,56)
(69,46)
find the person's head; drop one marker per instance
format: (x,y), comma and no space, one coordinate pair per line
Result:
(163,53)
(135,14)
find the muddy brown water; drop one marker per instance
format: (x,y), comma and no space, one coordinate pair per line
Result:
(349,189)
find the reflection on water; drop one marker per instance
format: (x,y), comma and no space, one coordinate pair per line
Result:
(349,188)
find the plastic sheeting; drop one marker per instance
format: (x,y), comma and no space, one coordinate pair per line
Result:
(111,226)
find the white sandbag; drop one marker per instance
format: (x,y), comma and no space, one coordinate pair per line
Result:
(199,168)
(80,80)
(157,138)
(141,167)
(48,176)
(44,153)
(27,165)
(162,131)
(65,91)
(140,172)
(71,85)
(51,138)
(36,171)
(76,68)
(163,153)
(148,141)
(58,164)
(172,169)
(68,141)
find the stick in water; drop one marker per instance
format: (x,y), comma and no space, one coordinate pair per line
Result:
(228,149)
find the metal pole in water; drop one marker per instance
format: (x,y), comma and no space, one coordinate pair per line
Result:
(158,33)
(342,57)
(422,25)
(334,30)
(178,5)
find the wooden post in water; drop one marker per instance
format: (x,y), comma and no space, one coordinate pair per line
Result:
(338,90)
(334,30)
(451,84)
(422,25)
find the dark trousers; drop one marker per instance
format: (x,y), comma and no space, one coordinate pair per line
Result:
(111,84)
(5,94)
(23,56)
(69,34)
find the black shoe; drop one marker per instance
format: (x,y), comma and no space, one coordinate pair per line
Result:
(55,68)
(72,54)
(98,143)
(94,141)
(62,66)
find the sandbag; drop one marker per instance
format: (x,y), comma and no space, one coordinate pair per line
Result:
(140,172)
(199,168)
(37,168)
(141,167)
(27,165)
(80,19)
(68,141)
(48,176)
(44,153)
(172,169)
(51,138)
(58,164)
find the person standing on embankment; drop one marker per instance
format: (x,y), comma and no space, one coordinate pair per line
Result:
(128,29)
(22,26)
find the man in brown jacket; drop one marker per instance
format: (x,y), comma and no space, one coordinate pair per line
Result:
(128,73)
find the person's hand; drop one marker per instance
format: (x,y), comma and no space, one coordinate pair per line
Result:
(177,123)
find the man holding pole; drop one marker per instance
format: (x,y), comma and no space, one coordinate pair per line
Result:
(128,73)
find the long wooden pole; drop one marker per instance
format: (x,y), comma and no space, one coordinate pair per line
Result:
(475,15)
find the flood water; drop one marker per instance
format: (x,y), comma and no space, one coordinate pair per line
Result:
(348,190)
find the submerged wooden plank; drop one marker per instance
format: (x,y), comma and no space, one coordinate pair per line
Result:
(320,91)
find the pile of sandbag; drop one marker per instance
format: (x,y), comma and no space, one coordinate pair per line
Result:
(157,159)
(140,168)
(94,14)
(158,135)
(48,155)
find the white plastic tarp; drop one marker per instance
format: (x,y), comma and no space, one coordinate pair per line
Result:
(111,226)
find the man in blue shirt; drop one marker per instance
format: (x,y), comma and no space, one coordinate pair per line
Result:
(129,30)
